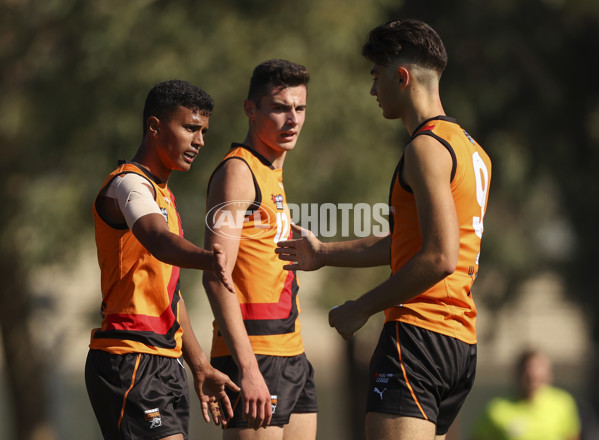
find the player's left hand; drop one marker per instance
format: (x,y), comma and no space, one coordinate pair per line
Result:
(210,387)
(220,267)
(347,319)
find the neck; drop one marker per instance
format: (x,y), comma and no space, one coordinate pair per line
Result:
(151,164)
(276,158)
(425,104)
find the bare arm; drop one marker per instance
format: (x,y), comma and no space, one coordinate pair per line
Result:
(233,183)
(130,200)
(153,233)
(209,383)
(309,253)
(428,172)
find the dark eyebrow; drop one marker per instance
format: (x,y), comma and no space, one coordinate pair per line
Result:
(195,126)
(285,104)
(281,105)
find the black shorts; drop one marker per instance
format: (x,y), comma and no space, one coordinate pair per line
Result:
(419,373)
(137,396)
(290,381)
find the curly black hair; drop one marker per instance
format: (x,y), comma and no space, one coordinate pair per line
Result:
(166,96)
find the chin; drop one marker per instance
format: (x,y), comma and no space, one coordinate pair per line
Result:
(184,167)
(287,146)
(388,116)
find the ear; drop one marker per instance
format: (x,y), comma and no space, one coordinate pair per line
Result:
(153,126)
(403,76)
(249,107)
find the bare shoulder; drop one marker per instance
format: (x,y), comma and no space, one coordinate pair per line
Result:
(424,146)
(427,158)
(230,194)
(233,180)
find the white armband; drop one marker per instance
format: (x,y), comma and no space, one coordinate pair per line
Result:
(135,196)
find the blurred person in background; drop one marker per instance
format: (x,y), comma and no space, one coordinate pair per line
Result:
(536,410)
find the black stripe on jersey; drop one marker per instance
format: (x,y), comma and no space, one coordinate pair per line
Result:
(144,171)
(261,327)
(395,176)
(436,118)
(261,158)
(151,339)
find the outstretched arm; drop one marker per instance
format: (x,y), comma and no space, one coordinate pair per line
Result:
(233,183)
(153,233)
(428,172)
(309,253)
(130,200)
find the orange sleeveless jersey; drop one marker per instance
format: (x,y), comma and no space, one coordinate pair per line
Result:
(140,294)
(448,306)
(267,293)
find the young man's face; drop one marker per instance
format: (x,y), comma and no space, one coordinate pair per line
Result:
(279,118)
(536,372)
(181,137)
(385,86)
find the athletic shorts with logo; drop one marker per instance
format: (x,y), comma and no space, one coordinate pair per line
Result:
(290,381)
(137,396)
(418,373)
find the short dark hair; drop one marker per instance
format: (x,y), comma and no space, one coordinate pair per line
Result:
(166,96)
(411,40)
(276,73)
(525,356)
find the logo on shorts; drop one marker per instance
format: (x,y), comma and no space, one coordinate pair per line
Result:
(273,402)
(153,416)
(379,392)
(383,377)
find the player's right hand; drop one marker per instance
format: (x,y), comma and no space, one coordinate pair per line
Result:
(257,403)
(220,267)
(347,319)
(302,253)
(210,387)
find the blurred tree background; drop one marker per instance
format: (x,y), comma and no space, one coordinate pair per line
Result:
(522,78)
